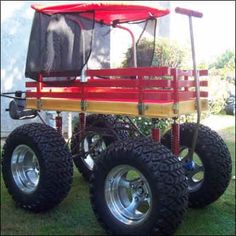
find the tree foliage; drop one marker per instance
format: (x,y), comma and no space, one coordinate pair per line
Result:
(227,59)
(224,66)
(221,80)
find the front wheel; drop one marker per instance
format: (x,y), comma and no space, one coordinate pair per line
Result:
(209,172)
(37,167)
(138,187)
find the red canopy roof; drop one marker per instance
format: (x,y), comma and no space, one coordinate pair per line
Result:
(107,12)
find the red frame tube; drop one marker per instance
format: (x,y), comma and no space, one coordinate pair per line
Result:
(39,84)
(133,42)
(176,91)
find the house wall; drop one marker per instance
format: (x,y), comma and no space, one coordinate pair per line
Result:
(15,30)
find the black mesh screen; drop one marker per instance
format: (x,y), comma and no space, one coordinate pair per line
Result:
(60,44)
(100,55)
(145,45)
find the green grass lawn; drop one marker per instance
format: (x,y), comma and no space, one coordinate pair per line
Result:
(74,215)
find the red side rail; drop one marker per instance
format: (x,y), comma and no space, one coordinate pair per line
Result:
(141,71)
(151,86)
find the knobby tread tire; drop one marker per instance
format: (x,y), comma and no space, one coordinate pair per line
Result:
(165,175)
(230,109)
(92,122)
(216,160)
(55,161)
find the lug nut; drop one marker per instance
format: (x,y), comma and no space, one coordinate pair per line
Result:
(111,181)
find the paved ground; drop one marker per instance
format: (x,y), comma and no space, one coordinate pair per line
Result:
(2,141)
(218,122)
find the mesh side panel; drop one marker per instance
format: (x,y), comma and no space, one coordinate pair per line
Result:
(145,45)
(100,55)
(59,44)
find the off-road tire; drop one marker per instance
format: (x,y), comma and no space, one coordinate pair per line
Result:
(165,175)
(230,109)
(97,124)
(55,161)
(215,157)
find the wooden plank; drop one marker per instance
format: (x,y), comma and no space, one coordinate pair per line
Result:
(51,104)
(187,107)
(153,110)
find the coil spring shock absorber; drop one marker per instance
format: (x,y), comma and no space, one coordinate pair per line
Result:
(175,137)
(156,134)
(82,121)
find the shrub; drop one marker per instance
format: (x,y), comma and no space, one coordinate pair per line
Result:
(167,53)
(218,90)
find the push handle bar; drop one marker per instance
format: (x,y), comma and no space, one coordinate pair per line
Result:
(188,12)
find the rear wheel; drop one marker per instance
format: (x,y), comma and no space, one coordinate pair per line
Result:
(37,167)
(100,132)
(209,172)
(138,187)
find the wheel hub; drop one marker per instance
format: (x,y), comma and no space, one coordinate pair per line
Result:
(190,165)
(93,145)
(194,169)
(25,168)
(128,197)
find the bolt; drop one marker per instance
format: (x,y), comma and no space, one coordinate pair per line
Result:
(146,195)
(140,190)
(111,181)
(136,199)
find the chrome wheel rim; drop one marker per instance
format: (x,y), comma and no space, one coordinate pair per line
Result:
(128,195)
(25,168)
(194,169)
(93,145)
